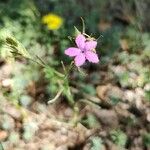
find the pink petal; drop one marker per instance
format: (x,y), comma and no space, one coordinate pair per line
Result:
(90,45)
(80,41)
(80,60)
(72,51)
(92,57)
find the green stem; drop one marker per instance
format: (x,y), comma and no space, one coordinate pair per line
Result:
(66,81)
(75,118)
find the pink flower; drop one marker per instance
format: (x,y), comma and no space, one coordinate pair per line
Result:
(84,51)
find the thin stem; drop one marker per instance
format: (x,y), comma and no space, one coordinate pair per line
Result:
(87,35)
(75,118)
(89,102)
(64,68)
(56,97)
(83,25)
(41,60)
(69,69)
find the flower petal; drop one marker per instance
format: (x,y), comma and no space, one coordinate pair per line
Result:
(90,45)
(72,51)
(80,41)
(80,60)
(91,57)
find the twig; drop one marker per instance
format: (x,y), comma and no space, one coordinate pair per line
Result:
(56,97)
(64,68)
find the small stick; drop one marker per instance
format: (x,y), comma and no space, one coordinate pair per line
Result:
(56,97)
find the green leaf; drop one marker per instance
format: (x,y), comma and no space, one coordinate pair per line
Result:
(11,41)
(119,137)
(115,100)
(89,89)
(146,139)
(67,93)
(77,32)
(16,48)
(92,121)
(96,143)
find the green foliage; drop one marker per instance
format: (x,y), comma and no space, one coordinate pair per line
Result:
(29,130)
(115,100)
(130,121)
(1,146)
(110,40)
(146,42)
(21,77)
(6,122)
(58,83)
(119,138)
(21,20)
(89,89)
(11,42)
(133,35)
(124,79)
(14,137)
(90,121)
(136,59)
(16,48)
(147,95)
(96,143)
(25,100)
(146,140)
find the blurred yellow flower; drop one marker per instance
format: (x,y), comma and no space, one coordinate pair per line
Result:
(52,21)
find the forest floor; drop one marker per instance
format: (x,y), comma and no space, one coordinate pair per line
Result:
(121,116)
